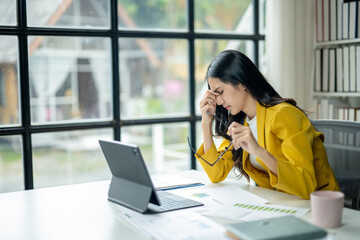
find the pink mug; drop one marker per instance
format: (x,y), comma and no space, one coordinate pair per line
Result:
(327,208)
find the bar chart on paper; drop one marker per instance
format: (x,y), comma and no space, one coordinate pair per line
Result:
(283,210)
(252,212)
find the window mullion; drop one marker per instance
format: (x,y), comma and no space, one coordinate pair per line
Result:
(25,96)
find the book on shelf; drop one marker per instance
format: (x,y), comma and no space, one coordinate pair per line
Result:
(339,18)
(352,19)
(346,113)
(358,19)
(318,20)
(346,68)
(332,70)
(325,70)
(341,114)
(331,114)
(326,21)
(352,67)
(357,114)
(358,66)
(351,114)
(345,20)
(324,109)
(318,70)
(339,70)
(332,20)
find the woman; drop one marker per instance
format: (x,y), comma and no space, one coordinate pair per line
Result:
(266,137)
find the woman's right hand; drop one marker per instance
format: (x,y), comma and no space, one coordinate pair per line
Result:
(208,106)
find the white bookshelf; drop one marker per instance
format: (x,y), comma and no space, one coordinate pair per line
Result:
(336,86)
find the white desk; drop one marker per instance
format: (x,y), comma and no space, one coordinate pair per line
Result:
(82,211)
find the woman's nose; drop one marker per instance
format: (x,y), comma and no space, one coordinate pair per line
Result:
(219,100)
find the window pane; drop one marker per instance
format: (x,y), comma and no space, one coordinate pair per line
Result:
(206,50)
(153,77)
(262,58)
(8,13)
(224,15)
(70,78)
(68,13)
(163,146)
(69,157)
(262,17)
(9,82)
(154,14)
(11,164)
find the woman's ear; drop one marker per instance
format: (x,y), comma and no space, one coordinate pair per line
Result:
(240,86)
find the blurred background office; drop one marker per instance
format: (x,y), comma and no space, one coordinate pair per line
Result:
(75,71)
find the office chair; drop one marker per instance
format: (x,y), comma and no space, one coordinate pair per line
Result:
(342,144)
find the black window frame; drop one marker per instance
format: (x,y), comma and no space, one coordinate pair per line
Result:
(22,31)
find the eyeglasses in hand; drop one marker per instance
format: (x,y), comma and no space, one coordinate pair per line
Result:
(221,154)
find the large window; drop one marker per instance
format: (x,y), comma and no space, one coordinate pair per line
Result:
(76,71)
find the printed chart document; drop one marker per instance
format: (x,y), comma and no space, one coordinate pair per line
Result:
(213,195)
(170,181)
(179,225)
(251,211)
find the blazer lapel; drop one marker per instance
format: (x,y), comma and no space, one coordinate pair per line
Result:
(261,115)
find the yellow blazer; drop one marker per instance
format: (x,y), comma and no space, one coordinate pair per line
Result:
(286,133)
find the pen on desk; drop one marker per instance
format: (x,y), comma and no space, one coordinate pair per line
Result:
(217,201)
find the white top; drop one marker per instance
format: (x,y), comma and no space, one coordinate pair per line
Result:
(253,127)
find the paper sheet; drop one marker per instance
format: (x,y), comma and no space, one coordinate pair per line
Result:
(251,212)
(179,225)
(217,196)
(171,181)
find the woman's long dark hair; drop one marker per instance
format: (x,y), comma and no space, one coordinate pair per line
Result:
(233,67)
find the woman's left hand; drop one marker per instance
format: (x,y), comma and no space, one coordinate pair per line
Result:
(243,138)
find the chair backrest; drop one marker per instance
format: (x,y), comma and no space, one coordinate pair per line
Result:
(342,144)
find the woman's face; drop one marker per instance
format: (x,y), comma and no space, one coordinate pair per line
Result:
(232,98)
